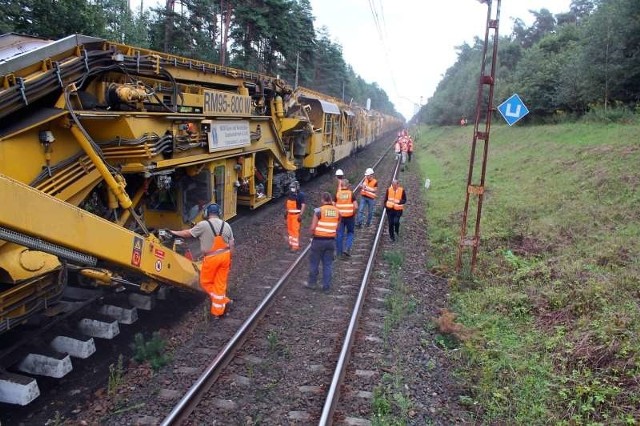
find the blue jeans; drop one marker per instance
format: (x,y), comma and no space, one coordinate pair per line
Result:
(321,250)
(366,203)
(348,224)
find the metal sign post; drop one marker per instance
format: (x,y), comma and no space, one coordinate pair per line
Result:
(484,111)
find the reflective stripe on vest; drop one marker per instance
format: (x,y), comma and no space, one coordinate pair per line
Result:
(393,198)
(344,202)
(369,188)
(292,206)
(328,223)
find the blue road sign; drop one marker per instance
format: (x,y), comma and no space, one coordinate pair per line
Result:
(513,109)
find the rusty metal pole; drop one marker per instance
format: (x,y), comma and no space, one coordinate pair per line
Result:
(484,112)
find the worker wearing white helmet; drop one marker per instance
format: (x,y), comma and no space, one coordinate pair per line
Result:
(369,193)
(339,177)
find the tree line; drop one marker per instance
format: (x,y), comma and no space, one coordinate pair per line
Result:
(274,37)
(584,63)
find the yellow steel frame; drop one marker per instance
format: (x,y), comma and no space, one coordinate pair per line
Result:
(23,211)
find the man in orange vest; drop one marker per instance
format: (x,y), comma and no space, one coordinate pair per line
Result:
(368,193)
(216,246)
(409,148)
(294,205)
(394,203)
(324,228)
(347,206)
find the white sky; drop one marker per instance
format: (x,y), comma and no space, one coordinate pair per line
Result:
(419,36)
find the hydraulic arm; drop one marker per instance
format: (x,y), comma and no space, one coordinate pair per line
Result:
(22,212)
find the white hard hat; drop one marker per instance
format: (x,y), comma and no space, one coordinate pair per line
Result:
(368,172)
(339,172)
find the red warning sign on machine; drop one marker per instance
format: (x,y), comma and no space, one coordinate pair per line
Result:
(158,253)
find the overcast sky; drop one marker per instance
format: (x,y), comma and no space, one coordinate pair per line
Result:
(417,38)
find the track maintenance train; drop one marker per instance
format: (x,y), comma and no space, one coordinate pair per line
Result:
(101,144)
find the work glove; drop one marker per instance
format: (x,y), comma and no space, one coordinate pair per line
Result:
(299,218)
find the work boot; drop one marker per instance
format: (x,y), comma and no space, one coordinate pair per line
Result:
(347,253)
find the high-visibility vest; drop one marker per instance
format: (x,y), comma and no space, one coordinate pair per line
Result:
(292,206)
(328,223)
(410,145)
(404,144)
(344,202)
(394,197)
(369,188)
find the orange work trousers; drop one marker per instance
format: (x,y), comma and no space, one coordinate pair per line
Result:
(213,279)
(293,229)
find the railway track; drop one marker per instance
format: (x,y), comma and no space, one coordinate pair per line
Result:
(264,253)
(309,360)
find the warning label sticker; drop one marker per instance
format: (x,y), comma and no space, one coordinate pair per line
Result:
(136,253)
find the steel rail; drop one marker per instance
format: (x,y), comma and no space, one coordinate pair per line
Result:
(190,400)
(207,379)
(333,394)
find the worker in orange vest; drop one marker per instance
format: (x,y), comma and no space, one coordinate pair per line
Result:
(324,228)
(347,206)
(397,148)
(294,209)
(409,148)
(216,246)
(368,193)
(394,203)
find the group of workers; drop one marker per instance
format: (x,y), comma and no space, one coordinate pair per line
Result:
(332,227)
(334,222)
(403,147)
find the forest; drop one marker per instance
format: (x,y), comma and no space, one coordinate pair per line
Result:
(273,37)
(582,64)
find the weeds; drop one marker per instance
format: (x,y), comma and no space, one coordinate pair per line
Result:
(275,345)
(272,340)
(116,376)
(151,351)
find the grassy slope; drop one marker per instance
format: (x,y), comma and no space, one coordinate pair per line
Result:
(554,305)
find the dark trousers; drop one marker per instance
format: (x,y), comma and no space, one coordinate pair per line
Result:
(393,217)
(321,251)
(346,226)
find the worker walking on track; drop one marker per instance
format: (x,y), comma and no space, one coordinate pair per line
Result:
(368,193)
(324,227)
(409,148)
(347,206)
(394,203)
(295,206)
(216,246)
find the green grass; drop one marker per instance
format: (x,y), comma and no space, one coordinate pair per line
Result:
(554,301)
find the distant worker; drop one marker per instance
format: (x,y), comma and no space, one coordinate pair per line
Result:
(404,148)
(339,177)
(216,246)
(347,206)
(394,203)
(397,149)
(368,193)
(324,227)
(409,149)
(294,209)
